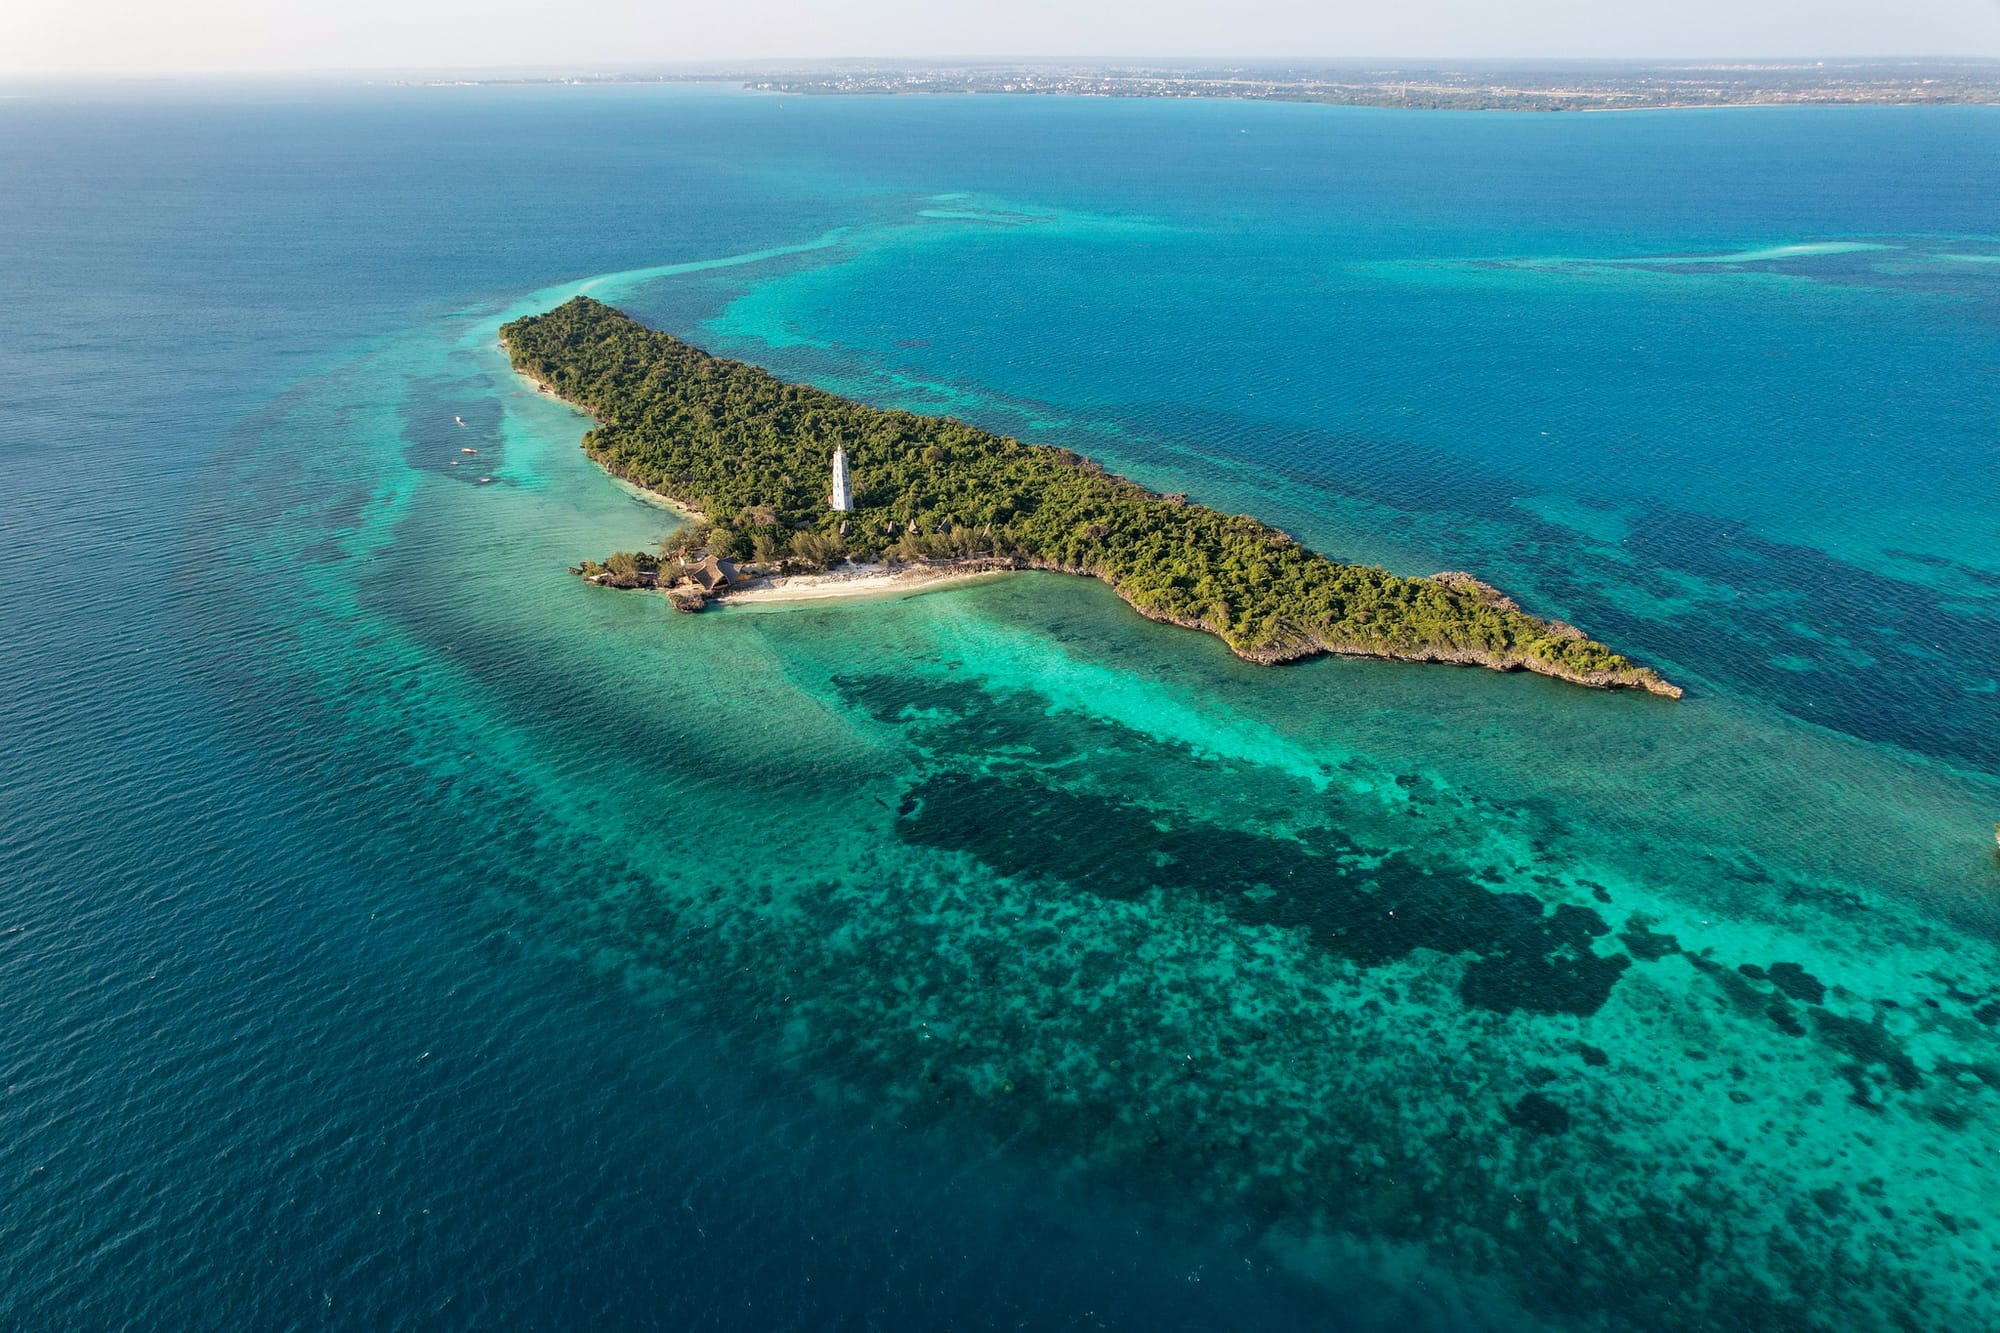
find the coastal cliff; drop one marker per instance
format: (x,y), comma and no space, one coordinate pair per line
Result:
(732,442)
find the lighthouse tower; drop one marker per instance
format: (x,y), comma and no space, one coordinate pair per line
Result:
(843,499)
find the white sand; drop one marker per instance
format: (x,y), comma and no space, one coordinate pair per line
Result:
(656,500)
(850,581)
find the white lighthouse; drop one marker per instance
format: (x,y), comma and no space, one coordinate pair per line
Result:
(843,499)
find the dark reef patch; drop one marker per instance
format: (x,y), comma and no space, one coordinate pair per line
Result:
(1365,908)
(1787,1021)
(1871,1047)
(1740,985)
(1646,945)
(1789,979)
(1798,983)
(1539,1113)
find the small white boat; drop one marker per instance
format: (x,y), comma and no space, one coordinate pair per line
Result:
(459,420)
(468,451)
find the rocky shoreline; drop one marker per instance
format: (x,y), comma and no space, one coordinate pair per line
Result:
(687,596)
(1306,645)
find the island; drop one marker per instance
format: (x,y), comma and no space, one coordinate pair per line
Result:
(750,458)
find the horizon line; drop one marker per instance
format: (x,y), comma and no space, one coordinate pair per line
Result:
(728,67)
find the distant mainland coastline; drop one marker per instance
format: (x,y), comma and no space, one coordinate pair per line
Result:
(748,456)
(1521,84)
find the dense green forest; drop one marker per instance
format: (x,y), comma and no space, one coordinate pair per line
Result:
(751,453)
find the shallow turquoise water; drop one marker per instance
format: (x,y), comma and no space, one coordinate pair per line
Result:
(397,930)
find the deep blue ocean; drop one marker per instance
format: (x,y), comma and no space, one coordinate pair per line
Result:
(396,931)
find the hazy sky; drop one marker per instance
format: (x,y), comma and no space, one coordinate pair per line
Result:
(187,36)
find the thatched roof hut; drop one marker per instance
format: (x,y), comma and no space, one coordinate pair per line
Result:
(713,575)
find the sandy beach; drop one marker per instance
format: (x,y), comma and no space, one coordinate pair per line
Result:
(658,501)
(850,581)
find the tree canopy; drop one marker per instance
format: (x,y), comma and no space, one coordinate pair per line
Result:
(752,454)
